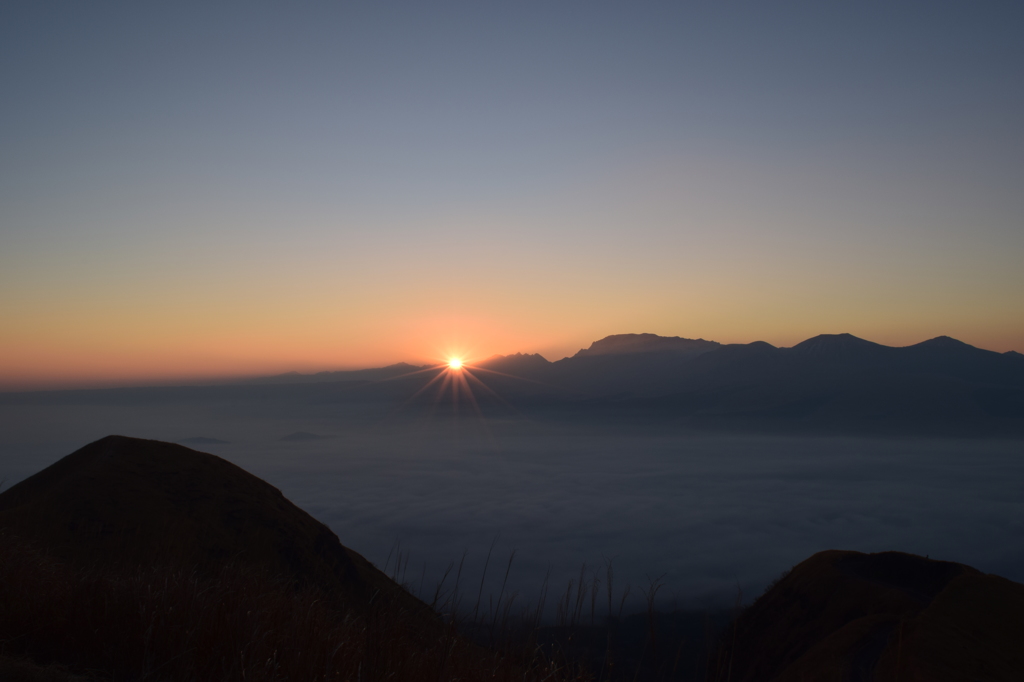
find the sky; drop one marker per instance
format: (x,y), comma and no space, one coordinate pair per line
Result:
(195,190)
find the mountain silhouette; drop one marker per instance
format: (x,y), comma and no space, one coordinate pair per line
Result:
(622,344)
(843,348)
(885,616)
(520,364)
(136,559)
(835,383)
(122,502)
(371,374)
(828,384)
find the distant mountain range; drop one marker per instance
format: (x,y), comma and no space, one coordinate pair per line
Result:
(835,383)
(373,374)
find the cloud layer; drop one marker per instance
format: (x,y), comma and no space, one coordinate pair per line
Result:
(707,513)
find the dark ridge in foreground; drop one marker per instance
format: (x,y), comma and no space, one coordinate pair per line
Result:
(129,502)
(887,616)
(134,559)
(141,560)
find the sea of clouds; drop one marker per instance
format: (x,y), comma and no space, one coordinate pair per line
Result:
(706,514)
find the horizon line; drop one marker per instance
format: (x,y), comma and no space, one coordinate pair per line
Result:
(199,380)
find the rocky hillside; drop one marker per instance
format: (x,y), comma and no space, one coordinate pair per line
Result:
(886,616)
(128,502)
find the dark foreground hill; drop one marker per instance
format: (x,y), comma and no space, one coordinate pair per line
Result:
(130,502)
(886,617)
(133,559)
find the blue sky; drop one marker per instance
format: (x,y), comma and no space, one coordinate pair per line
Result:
(195,189)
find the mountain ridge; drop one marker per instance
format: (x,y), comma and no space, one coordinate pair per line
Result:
(828,384)
(835,346)
(623,344)
(123,501)
(888,615)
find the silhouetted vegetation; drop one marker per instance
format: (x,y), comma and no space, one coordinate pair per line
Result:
(175,623)
(165,623)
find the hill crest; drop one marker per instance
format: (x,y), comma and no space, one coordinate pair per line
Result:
(620,344)
(889,615)
(123,501)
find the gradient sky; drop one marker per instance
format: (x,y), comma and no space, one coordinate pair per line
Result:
(198,190)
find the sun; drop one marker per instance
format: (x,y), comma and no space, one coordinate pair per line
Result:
(455,363)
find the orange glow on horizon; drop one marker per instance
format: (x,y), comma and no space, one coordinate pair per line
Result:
(149,347)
